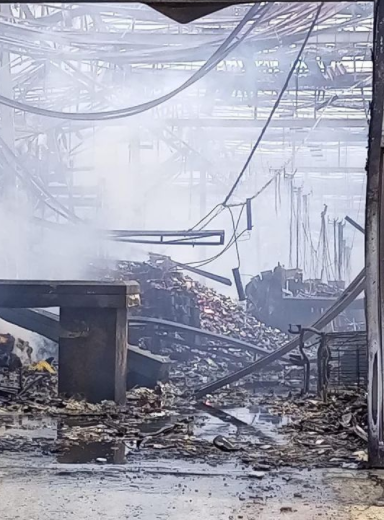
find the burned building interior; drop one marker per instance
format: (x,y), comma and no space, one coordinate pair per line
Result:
(190,262)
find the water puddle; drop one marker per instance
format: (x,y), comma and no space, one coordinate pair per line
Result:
(27,426)
(243,422)
(90,440)
(103,452)
(246,423)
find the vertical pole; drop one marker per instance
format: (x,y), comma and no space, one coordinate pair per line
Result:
(7,133)
(7,130)
(374,244)
(203,205)
(335,243)
(341,253)
(298,226)
(291,202)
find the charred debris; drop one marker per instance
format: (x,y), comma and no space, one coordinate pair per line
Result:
(267,420)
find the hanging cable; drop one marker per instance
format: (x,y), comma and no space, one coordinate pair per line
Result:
(229,44)
(275,106)
(234,238)
(269,119)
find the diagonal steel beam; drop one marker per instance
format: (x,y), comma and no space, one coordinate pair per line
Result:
(347,297)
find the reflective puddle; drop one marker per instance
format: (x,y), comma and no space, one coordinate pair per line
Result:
(89,440)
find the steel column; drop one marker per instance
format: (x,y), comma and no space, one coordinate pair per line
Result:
(375,248)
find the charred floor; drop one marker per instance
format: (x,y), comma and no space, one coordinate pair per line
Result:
(290,440)
(190,299)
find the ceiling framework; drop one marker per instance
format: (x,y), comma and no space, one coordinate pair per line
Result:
(98,57)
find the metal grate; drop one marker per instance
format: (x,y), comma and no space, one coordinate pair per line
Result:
(343,361)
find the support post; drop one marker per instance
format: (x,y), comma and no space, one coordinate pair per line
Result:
(93,331)
(374,246)
(93,354)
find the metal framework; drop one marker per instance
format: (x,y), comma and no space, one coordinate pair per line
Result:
(72,57)
(91,57)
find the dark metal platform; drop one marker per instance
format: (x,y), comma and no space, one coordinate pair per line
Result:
(143,367)
(93,331)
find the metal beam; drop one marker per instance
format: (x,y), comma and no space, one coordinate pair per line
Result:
(165,324)
(348,296)
(374,250)
(355,224)
(360,122)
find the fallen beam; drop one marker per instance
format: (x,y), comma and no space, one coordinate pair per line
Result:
(142,320)
(42,322)
(348,296)
(143,367)
(355,224)
(47,324)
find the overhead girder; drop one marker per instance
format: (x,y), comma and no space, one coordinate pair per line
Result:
(112,49)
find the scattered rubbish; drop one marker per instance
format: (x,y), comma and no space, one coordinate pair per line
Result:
(346,419)
(224,444)
(360,432)
(43,366)
(361,455)
(257,474)
(261,467)
(264,431)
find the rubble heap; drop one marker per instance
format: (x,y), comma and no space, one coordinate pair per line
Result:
(223,315)
(170,295)
(321,434)
(199,364)
(217,313)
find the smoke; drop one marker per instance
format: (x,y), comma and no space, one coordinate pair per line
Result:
(167,168)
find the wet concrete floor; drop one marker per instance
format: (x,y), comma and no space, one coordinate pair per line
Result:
(36,489)
(242,425)
(73,486)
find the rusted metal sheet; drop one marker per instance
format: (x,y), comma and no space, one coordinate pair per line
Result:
(374,248)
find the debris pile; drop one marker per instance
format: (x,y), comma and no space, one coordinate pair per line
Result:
(169,295)
(222,315)
(321,434)
(315,434)
(217,313)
